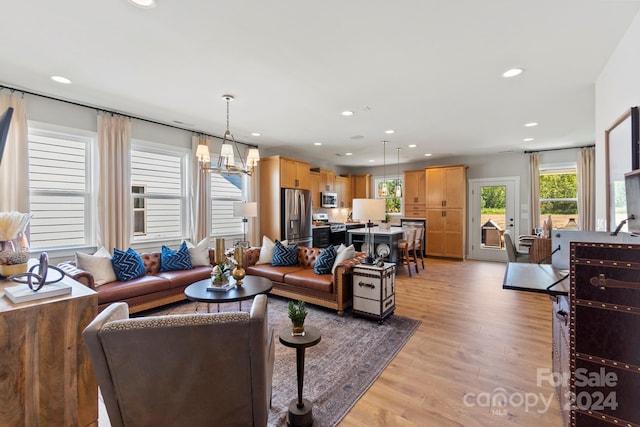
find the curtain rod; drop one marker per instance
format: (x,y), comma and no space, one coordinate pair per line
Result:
(557,149)
(93,107)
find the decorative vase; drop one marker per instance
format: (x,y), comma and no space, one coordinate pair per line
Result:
(7,270)
(238,274)
(297,330)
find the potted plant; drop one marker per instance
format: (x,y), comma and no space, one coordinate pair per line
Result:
(297,314)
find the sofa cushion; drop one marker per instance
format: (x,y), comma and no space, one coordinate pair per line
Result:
(307,278)
(285,256)
(127,265)
(186,277)
(343,253)
(175,260)
(123,290)
(199,253)
(98,264)
(266,251)
(275,274)
(325,261)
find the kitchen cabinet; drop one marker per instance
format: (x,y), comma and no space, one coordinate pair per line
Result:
(360,186)
(343,188)
(327,180)
(294,174)
(276,173)
(445,210)
(415,194)
(314,182)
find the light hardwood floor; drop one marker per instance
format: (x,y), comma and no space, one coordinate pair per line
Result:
(476,341)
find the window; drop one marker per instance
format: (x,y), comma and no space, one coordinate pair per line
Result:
(158,194)
(60,189)
(558,194)
(225,190)
(393,203)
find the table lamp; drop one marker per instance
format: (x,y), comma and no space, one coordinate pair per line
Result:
(245,210)
(369,210)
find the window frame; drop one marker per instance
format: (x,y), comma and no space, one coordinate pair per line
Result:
(568,168)
(393,178)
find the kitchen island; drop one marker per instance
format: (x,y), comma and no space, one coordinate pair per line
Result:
(390,236)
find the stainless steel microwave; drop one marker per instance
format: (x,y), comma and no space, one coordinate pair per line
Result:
(329,200)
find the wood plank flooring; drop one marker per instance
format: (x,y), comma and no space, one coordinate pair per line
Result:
(477,342)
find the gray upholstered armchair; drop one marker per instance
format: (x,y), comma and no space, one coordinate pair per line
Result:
(177,370)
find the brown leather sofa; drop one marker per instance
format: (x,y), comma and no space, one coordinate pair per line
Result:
(212,369)
(301,282)
(149,291)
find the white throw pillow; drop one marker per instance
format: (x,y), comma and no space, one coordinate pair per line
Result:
(98,264)
(344,253)
(266,251)
(199,253)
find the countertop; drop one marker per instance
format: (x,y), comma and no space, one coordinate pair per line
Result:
(378,230)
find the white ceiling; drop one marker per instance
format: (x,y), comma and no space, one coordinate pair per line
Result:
(429,69)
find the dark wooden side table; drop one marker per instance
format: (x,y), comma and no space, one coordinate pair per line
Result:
(300,409)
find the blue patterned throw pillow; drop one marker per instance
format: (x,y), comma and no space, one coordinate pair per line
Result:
(325,260)
(171,260)
(127,265)
(284,256)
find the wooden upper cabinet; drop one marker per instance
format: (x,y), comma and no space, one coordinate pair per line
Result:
(343,188)
(314,178)
(360,186)
(415,191)
(294,174)
(327,179)
(446,187)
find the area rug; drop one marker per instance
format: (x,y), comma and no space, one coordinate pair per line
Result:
(352,353)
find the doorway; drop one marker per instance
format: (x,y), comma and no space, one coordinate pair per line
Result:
(493,203)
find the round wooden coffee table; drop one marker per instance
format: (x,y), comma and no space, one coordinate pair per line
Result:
(251,286)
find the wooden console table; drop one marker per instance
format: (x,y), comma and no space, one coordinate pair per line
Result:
(46,378)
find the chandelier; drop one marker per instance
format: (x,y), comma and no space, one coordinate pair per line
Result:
(226,160)
(383,187)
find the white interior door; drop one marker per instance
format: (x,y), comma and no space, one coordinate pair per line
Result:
(493,204)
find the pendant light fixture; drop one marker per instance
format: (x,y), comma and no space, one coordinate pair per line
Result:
(383,188)
(226,159)
(398,180)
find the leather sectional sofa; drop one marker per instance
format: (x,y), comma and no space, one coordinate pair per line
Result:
(149,291)
(301,282)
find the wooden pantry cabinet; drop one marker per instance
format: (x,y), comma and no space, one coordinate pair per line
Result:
(294,174)
(343,188)
(314,178)
(415,194)
(360,186)
(446,194)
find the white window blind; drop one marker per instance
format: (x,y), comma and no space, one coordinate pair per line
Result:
(225,190)
(161,176)
(59,181)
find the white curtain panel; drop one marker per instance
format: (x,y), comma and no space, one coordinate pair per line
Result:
(200,193)
(253,233)
(534,176)
(14,170)
(114,194)
(586,188)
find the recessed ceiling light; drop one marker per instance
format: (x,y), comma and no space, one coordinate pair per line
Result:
(512,72)
(348,154)
(428,155)
(347,113)
(530,125)
(528,139)
(255,134)
(390,131)
(61,79)
(317,143)
(371,161)
(144,4)
(412,145)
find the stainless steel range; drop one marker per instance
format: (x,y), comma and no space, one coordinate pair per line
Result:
(338,229)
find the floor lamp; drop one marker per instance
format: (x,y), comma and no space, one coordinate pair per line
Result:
(245,210)
(369,210)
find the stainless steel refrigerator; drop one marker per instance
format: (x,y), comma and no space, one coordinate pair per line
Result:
(296,216)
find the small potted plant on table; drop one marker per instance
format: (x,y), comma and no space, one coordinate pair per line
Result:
(297,314)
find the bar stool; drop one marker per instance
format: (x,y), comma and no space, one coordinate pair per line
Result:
(417,247)
(405,247)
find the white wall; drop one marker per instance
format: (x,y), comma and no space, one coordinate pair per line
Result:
(617,90)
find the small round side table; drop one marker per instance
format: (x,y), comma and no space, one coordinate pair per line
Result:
(300,414)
